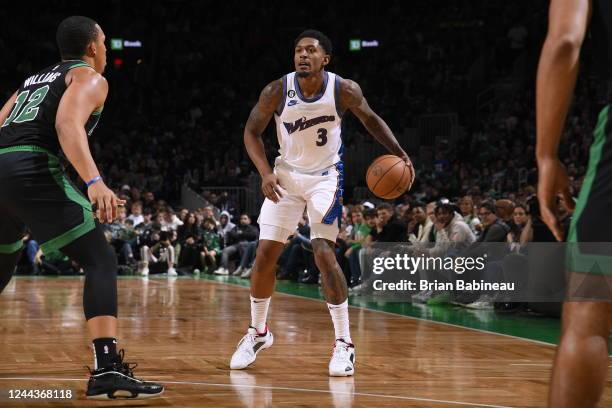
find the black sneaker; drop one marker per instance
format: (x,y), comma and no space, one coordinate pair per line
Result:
(118,381)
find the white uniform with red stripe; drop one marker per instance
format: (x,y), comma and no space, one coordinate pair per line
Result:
(309,166)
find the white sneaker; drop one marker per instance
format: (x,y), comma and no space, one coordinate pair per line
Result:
(238,271)
(172,272)
(423,296)
(342,363)
(247,273)
(221,271)
(248,347)
(144,271)
(481,304)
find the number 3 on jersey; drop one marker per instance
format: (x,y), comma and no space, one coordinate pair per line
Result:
(322,139)
(29,111)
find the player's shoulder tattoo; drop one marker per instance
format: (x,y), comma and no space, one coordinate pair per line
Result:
(271,95)
(350,94)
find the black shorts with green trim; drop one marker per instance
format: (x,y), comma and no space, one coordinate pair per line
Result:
(35,194)
(590,235)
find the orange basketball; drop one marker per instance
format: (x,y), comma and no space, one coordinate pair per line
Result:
(389,177)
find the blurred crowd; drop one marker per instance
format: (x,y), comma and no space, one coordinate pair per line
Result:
(177,107)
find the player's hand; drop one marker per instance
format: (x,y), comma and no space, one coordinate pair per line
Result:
(270,187)
(104,201)
(404,156)
(553,180)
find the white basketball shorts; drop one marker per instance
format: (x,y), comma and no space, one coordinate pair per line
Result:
(320,194)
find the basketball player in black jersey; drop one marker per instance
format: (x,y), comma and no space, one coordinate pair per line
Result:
(54,111)
(581,363)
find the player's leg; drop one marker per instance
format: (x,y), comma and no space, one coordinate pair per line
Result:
(335,290)
(333,281)
(277,222)
(11,244)
(324,209)
(99,262)
(581,363)
(75,233)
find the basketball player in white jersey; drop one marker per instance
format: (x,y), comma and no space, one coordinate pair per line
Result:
(307,105)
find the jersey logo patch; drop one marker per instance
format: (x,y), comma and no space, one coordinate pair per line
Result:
(292,102)
(302,123)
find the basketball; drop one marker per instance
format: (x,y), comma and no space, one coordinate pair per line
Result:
(389,177)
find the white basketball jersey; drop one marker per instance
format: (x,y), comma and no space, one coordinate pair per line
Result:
(309,130)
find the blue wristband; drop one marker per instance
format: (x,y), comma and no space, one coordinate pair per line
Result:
(93,181)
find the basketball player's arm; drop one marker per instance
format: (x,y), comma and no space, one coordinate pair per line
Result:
(351,98)
(7,108)
(557,72)
(85,93)
(260,116)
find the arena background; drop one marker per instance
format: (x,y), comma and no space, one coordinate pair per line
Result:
(453,79)
(447,76)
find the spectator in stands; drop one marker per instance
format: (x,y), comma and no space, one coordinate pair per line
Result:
(452,232)
(519,218)
(53,263)
(225,226)
(182,215)
(495,229)
(294,257)
(209,212)
(389,228)
(148,202)
(190,240)
(170,221)
(468,211)
(160,257)
(211,245)
(422,225)
(359,230)
(237,240)
(136,213)
(123,237)
(504,209)
(430,209)
(354,253)
(147,221)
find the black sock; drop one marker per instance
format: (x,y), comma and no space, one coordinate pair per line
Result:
(105,351)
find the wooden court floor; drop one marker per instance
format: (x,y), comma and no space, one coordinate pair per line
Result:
(182,332)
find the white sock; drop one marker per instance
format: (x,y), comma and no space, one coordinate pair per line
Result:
(340,317)
(259,313)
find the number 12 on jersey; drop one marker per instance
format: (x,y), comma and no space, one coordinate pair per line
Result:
(30,110)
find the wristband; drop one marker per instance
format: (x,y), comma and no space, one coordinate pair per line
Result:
(93,181)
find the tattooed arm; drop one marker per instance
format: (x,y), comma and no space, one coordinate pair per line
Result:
(260,116)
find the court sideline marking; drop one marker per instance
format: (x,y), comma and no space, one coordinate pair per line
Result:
(262,387)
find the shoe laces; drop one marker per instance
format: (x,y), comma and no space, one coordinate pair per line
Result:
(251,337)
(118,365)
(341,349)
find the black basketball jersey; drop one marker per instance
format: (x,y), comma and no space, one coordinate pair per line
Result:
(32,119)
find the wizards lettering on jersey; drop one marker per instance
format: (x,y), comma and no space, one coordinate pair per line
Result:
(302,123)
(39,79)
